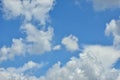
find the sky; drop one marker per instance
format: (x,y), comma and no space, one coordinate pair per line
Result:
(60,40)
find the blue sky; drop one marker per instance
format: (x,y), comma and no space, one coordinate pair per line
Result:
(60,39)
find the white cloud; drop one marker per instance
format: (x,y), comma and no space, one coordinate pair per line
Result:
(36,42)
(100,5)
(30,9)
(114,28)
(57,47)
(106,55)
(17,48)
(71,43)
(39,41)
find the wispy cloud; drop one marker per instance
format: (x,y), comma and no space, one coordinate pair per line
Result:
(100,5)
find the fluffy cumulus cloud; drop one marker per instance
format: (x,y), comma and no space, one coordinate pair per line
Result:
(36,42)
(100,5)
(113,28)
(95,63)
(30,9)
(17,48)
(71,43)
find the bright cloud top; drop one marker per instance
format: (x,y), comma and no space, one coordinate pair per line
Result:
(71,43)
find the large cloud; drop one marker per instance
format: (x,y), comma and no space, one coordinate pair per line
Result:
(30,9)
(95,63)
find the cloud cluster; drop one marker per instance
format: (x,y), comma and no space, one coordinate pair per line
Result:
(71,43)
(95,63)
(37,40)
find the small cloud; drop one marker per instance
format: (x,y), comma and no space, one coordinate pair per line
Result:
(57,47)
(71,43)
